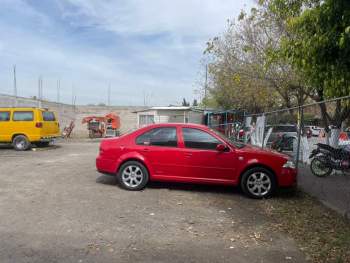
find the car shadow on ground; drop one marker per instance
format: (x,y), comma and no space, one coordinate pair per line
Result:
(282,193)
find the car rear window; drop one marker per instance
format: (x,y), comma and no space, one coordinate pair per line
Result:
(4,115)
(159,137)
(285,129)
(23,116)
(48,116)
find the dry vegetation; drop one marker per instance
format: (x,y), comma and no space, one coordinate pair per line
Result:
(322,234)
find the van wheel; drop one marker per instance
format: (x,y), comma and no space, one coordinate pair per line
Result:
(258,183)
(21,143)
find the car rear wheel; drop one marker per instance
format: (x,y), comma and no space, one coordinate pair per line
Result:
(133,176)
(21,143)
(258,183)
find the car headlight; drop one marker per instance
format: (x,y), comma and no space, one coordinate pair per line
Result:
(289,164)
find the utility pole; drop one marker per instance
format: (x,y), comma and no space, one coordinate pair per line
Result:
(40,91)
(109,95)
(206,84)
(15,84)
(58,90)
(73,94)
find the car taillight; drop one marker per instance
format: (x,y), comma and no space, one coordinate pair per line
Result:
(39,124)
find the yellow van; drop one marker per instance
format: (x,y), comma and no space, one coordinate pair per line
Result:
(25,126)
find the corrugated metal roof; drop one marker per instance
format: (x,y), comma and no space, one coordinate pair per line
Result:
(171,108)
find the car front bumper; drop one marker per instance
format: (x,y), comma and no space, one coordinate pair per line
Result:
(288,177)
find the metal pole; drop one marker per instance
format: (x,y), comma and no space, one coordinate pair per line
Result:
(301,118)
(205,87)
(58,90)
(263,139)
(39,91)
(15,84)
(109,95)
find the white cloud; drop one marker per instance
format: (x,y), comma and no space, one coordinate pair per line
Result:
(158,46)
(184,17)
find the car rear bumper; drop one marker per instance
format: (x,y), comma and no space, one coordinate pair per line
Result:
(105,166)
(288,177)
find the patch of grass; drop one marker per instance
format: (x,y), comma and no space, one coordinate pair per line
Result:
(322,234)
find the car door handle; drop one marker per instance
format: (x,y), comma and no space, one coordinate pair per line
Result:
(145,150)
(188,154)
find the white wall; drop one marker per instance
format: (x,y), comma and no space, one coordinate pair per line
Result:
(173,116)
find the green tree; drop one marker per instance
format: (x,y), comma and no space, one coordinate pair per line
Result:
(247,70)
(319,49)
(185,103)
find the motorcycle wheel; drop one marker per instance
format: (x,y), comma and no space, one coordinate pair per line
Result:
(319,168)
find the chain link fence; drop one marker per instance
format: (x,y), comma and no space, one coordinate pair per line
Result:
(297,132)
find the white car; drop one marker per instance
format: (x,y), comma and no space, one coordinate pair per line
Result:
(315,130)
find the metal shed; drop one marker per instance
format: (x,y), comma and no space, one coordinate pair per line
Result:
(170,114)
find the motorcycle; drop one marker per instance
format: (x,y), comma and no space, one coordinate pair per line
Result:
(325,159)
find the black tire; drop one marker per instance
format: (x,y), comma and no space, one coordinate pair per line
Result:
(42,144)
(138,176)
(265,181)
(20,143)
(318,168)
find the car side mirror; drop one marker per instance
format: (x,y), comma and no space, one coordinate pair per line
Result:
(221,148)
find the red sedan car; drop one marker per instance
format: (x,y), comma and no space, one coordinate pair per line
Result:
(194,154)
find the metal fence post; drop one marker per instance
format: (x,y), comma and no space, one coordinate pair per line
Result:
(300,123)
(263,139)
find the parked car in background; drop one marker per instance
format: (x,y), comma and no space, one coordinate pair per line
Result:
(284,143)
(193,153)
(288,130)
(25,126)
(314,130)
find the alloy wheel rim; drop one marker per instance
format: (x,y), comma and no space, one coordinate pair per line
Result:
(259,184)
(132,176)
(20,144)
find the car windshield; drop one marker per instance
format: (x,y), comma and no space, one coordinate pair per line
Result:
(229,140)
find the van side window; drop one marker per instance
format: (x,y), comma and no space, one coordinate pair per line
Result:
(23,116)
(48,116)
(4,115)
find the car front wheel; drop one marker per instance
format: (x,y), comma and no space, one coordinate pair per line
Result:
(133,176)
(258,183)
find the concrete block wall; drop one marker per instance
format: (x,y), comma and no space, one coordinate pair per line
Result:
(67,113)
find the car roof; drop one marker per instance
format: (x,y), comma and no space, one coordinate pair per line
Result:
(23,108)
(187,125)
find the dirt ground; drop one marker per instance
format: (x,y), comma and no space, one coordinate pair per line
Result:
(55,207)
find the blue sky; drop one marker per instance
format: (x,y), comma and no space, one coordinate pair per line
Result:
(144,48)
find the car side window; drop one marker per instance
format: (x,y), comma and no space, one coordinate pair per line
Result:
(198,139)
(159,137)
(23,116)
(4,115)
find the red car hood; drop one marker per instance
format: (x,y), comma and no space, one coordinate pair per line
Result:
(269,152)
